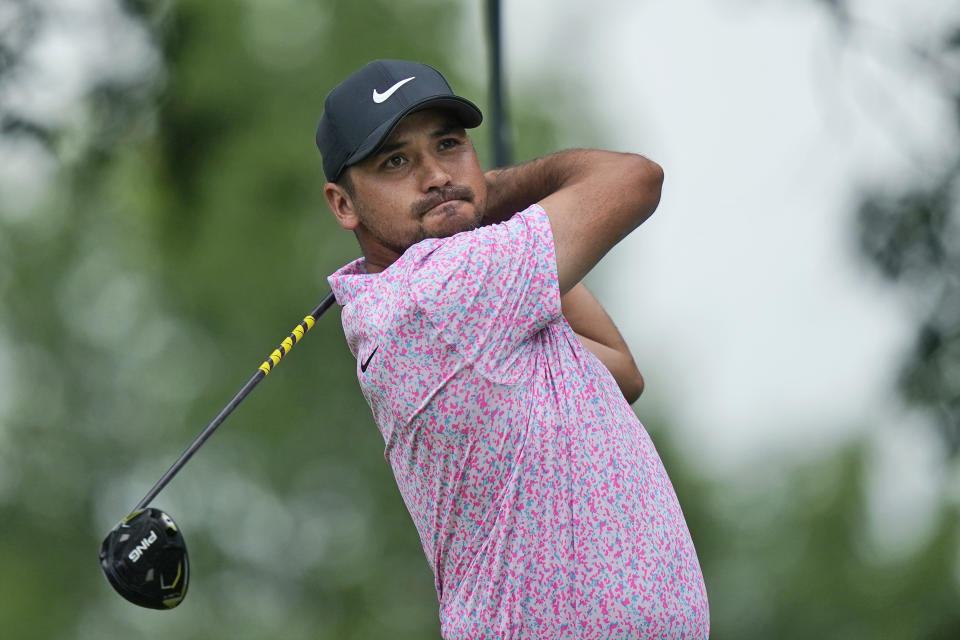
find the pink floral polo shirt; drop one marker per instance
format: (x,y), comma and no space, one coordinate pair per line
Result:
(542,505)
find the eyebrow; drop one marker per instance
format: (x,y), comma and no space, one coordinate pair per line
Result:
(448,127)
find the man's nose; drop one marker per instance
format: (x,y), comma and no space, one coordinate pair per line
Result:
(434,174)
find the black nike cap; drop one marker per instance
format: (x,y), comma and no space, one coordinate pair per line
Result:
(363,110)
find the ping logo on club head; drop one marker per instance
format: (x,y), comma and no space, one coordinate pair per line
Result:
(145,543)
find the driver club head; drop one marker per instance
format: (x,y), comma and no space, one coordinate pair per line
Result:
(145,559)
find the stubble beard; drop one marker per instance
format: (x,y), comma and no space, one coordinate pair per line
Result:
(418,211)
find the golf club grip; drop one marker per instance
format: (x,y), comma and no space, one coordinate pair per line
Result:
(272,360)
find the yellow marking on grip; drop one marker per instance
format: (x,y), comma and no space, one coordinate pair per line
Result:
(287,344)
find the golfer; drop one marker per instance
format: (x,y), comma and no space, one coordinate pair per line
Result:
(501,387)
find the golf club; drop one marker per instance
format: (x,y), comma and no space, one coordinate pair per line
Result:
(500,129)
(145,556)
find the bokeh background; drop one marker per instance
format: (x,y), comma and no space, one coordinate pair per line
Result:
(793,305)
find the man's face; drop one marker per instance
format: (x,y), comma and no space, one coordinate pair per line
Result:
(424,182)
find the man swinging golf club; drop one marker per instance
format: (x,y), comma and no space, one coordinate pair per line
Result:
(499,384)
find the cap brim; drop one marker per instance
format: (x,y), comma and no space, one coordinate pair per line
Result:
(467,112)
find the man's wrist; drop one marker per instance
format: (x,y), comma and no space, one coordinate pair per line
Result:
(504,195)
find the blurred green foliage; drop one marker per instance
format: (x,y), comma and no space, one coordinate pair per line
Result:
(185,236)
(910,231)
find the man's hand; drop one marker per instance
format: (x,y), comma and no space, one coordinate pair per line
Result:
(598,334)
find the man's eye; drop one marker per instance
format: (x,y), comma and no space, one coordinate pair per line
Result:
(393,162)
(449,143)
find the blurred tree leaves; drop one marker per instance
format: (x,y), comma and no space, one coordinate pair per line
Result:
(911,233)
(912,238)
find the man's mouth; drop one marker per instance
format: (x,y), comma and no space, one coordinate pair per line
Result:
(444,207)
(444,201)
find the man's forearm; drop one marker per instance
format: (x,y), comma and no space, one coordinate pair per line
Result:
(513,189)
(597,332)
(593,198)
(620,365)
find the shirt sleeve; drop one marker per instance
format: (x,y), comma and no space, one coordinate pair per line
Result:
(488,291)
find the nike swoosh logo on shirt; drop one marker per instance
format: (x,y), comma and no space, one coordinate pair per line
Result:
(366,363)
(382,97)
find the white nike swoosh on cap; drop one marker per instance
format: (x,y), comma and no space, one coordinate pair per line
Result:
(381,97)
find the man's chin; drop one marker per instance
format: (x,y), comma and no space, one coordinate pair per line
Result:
(445,221)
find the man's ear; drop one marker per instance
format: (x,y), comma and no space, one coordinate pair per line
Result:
(341,204)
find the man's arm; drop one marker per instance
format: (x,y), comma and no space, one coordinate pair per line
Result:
(598,334)
(593,199)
